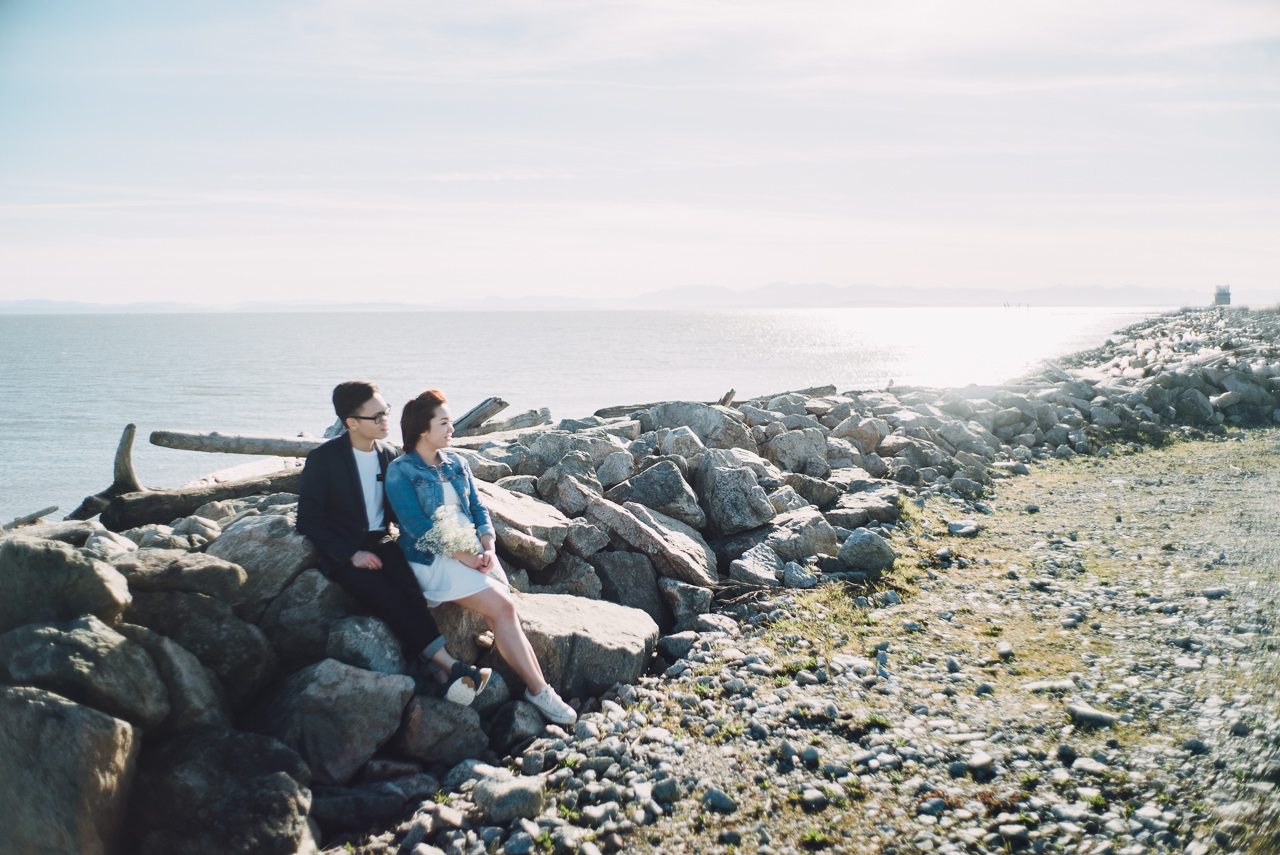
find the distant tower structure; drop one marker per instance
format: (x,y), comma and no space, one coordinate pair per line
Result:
(1222,296)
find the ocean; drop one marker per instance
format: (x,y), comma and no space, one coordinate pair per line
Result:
(70,383)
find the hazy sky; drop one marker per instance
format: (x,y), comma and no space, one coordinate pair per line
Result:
(352,149)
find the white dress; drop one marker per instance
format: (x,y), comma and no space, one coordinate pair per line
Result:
(446,578)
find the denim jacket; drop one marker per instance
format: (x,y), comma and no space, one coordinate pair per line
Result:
(415,490)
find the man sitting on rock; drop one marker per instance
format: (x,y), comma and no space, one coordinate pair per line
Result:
(342,508)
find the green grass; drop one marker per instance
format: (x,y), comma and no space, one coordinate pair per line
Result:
(814,838)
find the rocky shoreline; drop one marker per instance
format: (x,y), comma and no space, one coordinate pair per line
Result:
(765,610)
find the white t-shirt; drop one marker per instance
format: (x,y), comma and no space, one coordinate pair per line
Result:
(370,468)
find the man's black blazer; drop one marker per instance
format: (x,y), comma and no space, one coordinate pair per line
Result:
(331,504)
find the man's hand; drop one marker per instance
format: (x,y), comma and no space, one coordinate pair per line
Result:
(366,560)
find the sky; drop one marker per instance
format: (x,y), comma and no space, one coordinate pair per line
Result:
(341,150)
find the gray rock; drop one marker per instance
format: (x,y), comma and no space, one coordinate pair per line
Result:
(494,695)
(176,570)
(528,529)
(865,432)
(437,731)
(1193,407)
(759,565)
(682,441)
(297,622)
(786,499)
(236,651)
(1104,418)
(569,575)
(731,496)
(615,469)
(586,539)
(44,580)
(675,549)
(66,774)
(584,646)
(554,486)
(502,800)
(526,484)
(717,427)
(1215,593)
(802,451)
(90,663)
(685,601)
(196,697)
(867,551)
(550,447)
(795,576)
(815,491)
(335,716)
(677,645)
(109,545)
(211,791)
(71,532)
(854,510)
(1086,716)
(365,642)
(794,536)
(661,488)
(272,554)
(718,801)
(516,723)
(628,578)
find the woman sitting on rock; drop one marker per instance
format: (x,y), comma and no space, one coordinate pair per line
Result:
(448,538)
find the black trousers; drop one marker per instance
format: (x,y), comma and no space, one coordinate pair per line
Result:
(393,595)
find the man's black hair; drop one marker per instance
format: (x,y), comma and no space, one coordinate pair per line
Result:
(350,396)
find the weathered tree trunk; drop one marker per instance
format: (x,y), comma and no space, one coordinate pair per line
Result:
(164,506)
(29,518)
(124,479)
(726,400)
(233,443)
(478,415)
(527,419)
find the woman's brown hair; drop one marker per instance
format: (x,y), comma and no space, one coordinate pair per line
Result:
(417,416)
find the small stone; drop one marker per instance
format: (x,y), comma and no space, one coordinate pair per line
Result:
(718,801)
(812,800)
(980,763)
(1215,593)
(1087,716)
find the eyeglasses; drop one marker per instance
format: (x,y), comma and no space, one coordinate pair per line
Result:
(383,416)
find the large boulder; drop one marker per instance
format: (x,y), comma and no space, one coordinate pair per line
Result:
(803,451)
(71,532)
(550,447)
(662,488)
(815,491)
(437,731)
(211,791)
(576,465)
(733,499)
(88,662)
(335,716)
(867,433)
(236,651)
(628,578)
(854,510)
(759,565)
(584,646)
(297,622)
(272,554)
(686,601)
(177,570)
(66,772)
(44,580)
(794,536)
(366,642)
(196,697)
(527,529)
(716,426)
(568,575)
(867,551)
(675,549)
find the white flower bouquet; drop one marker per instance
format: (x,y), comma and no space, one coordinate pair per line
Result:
(448,535)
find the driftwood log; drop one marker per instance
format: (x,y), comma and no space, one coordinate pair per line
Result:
(124,480)
(478,415)
(237,443)
(29,518)
(164,506)
(527,419)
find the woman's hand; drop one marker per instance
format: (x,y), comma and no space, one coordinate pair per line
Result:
(471,559)
(488,560)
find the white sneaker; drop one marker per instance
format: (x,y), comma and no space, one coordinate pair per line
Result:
(551,706)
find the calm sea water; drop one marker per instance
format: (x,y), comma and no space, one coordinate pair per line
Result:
(70,383)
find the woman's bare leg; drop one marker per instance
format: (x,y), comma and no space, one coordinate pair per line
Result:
(442,658)
(499,610)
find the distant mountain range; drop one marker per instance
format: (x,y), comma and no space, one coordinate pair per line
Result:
(776,296)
